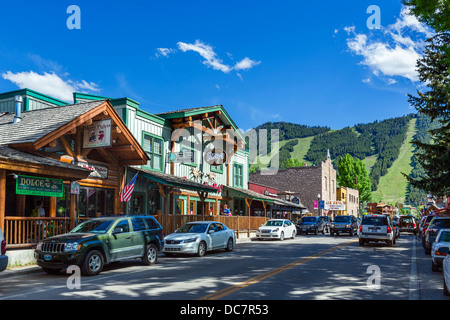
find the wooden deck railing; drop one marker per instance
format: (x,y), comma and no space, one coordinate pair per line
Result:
(22,232)
(172,222)
(28,231)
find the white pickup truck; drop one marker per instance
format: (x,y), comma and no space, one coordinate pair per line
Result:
(376,227)
(3,256)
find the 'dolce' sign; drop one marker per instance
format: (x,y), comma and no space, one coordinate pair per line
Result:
(37,186)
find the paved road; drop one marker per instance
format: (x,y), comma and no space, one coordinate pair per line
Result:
(307,268)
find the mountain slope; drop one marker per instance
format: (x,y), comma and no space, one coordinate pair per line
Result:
(383,146)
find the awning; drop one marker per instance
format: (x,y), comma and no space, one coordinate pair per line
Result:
(250,194)
(285,203)
(174,181)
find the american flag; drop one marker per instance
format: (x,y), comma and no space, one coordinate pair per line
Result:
(126,193)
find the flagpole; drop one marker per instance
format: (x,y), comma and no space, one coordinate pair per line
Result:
(126,203)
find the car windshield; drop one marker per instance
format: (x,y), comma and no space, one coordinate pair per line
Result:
(193,228)
(95,226)
(407,220)
(309,219)
(341,219)
(375,221)
(445,236)
(274,223)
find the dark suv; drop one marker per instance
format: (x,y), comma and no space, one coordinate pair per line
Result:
(311,225)
(344,224)
(98,241)
(435,225)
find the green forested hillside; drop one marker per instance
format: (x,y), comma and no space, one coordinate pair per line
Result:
(384,146)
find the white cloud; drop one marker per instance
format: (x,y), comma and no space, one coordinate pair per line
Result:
(163,52)
(50,84)
(246,64)
(210,57)
(207,52)
(396,53)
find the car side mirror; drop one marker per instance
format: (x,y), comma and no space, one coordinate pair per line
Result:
(211,231)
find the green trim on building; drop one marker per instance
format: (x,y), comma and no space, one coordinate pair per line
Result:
(34,94)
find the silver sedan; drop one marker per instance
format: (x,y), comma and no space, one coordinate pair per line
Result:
(199,237)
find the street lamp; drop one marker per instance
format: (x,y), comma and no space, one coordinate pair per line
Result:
(318,203)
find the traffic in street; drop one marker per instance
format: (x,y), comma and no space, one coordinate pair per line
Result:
(307,267)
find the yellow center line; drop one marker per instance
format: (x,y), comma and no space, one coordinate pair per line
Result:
(228,290)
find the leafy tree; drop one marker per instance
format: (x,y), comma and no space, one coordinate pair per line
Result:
(435,14)
(352,173)
(293,162)
(434,71)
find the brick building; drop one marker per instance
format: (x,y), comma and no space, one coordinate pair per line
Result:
(309,182)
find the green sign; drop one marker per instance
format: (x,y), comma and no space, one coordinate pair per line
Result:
(36,186)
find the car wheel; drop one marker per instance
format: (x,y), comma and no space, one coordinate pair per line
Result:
(201,251)
(294,234)
(390,243)
(282,236)
(446,292)
(150,255)
(229,246)
(93,263)
(361,242)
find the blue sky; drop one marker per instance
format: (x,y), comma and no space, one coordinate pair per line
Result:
(307,62)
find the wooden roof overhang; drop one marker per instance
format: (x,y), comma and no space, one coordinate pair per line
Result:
(213,127)
(125,149)
(21,162)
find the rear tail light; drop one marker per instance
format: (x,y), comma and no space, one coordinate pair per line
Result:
(3,247)
(360,228)
(389,229)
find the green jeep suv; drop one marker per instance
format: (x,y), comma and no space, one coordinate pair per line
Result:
(98,241)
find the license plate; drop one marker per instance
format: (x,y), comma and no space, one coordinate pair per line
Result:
(47,257)
(303,229)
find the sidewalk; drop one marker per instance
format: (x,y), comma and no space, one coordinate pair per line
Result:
(19,271)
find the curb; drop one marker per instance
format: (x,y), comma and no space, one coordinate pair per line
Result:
(19,271)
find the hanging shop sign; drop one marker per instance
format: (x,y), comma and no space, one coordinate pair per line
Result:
(98,134)
(97,171)
(215,157)
(36,186)
(74,188)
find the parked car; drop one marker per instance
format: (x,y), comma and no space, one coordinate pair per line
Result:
(276,229)
(3,256)
(376,227)
(98,241)
(199,237)
(424,225)
(344,224)
(407,224)
(438,222)
(311,225)
(446,272)
(439,249)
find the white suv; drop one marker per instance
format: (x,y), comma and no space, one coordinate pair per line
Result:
(376,227)
(3,256)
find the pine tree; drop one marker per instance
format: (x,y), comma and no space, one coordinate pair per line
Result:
(434,72)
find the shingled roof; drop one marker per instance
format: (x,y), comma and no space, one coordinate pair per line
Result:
(36,124)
